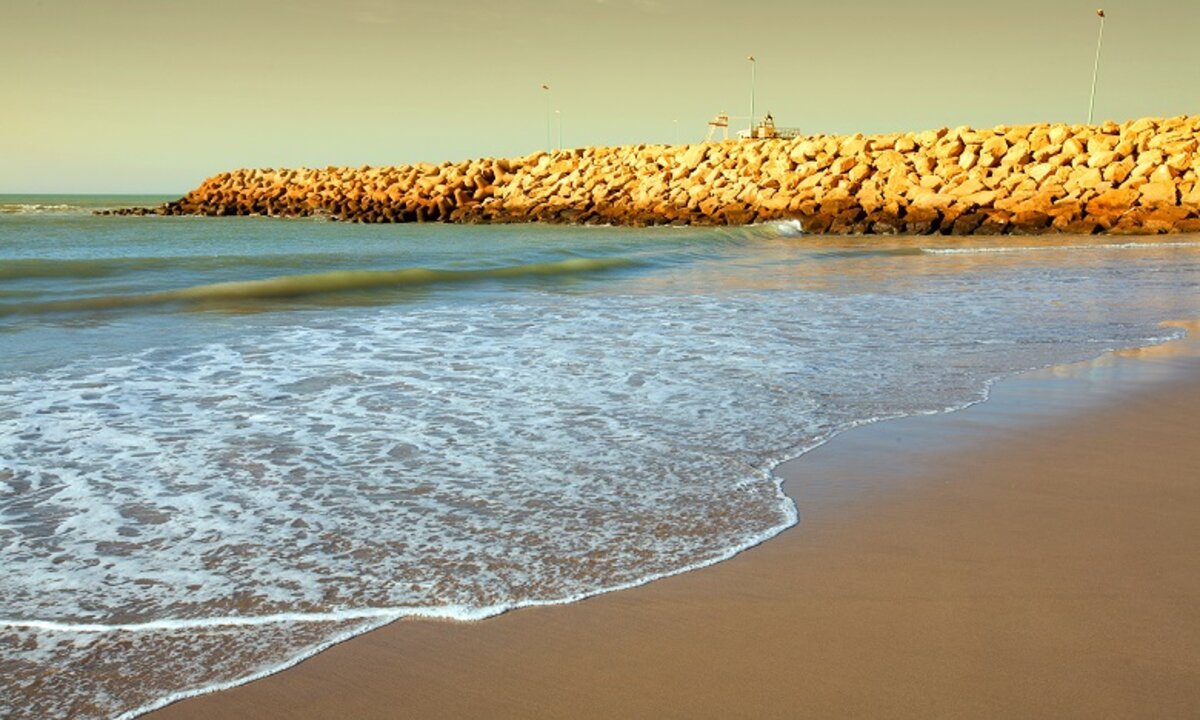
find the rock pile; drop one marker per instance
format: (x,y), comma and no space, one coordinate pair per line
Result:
(1142,176)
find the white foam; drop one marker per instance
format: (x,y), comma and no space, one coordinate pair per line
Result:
(789,228)
(38,208)
(229,447)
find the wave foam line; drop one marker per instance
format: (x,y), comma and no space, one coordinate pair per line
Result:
(1040,248)
(385,616)
(290,286)
(460,613)
(447,612)
(37,208)
(172,698)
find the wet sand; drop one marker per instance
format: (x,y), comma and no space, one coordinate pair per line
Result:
(1037,555)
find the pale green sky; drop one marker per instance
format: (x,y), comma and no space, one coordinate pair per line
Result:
(155,95)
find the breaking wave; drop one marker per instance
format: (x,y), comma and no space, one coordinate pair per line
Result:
(293,286)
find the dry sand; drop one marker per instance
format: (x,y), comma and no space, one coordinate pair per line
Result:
(1034,556)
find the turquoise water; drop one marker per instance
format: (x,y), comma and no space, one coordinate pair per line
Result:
(227,443)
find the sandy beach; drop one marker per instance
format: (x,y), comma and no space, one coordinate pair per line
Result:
(1037,555)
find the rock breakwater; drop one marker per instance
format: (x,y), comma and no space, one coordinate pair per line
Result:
(1141,176)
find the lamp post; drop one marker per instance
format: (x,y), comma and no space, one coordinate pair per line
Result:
(1096,67)
(753,78)
(546,89)
(558,114)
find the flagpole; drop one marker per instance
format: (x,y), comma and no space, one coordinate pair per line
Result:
(546,89)
(753,78)
(1096,68)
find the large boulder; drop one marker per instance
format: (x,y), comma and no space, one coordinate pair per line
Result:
(1159,193)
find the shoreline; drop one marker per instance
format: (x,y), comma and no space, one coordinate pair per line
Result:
(332,681)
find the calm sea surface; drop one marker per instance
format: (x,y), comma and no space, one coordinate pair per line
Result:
(228,443)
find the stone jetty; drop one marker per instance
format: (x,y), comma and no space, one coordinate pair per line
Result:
(1141,176)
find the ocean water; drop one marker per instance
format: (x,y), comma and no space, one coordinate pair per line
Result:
(226,444)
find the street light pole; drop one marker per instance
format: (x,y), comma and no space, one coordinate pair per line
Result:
(753,78)
(558,114)
(546,89)
(1096,68)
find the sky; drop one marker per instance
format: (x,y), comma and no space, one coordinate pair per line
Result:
(152,96)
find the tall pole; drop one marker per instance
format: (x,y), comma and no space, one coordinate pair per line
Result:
(753,78)
(1096,68)
(558,114)
(546,89)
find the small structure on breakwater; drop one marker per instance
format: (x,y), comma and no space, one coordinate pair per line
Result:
(767,130)
(764,130)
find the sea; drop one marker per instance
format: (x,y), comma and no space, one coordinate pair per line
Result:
(229,443)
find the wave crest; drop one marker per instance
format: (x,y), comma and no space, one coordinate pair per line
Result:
(293,286)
